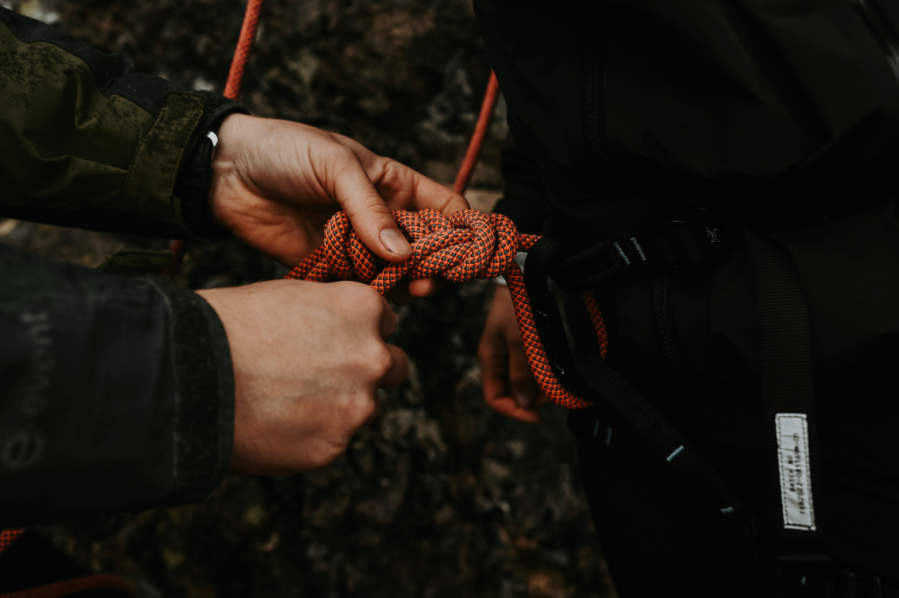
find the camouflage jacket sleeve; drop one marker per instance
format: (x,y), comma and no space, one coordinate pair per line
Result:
(87,142)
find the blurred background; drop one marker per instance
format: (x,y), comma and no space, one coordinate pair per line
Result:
(440,497)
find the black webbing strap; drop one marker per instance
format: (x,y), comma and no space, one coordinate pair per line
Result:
(595,380)
(541,257)
(789,411)
(685,460)
(786,370)
(689,240)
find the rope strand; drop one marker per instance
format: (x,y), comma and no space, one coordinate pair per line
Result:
(242,52)
(480,133)
(8,536)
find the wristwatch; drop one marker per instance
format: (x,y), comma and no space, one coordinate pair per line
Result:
(192,187)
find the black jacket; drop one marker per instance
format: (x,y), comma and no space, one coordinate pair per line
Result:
(780,116)
(725,103)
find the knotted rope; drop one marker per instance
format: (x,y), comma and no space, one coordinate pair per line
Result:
(460,247)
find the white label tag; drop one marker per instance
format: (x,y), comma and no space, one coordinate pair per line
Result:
(795,474)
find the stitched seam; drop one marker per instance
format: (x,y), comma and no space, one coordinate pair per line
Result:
(184,148)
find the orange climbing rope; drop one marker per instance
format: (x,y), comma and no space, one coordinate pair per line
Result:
(8,536)
(242,52)
(110,585)
(460,247)
(232,92)
(477,139)
(93,585)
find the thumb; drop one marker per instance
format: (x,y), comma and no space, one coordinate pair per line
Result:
(369,214)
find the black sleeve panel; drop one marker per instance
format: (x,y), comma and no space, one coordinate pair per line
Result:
(116,393)
(87,142)
(523,199)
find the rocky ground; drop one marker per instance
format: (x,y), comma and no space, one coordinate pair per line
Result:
(439,497)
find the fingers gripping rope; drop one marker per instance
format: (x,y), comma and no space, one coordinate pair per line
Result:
(460,247)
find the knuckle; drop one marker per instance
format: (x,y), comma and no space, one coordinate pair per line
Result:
(359,298)
(358,409)
(388,167)
(373,204)
(367,409)
(380,360)
(341,153)
(341,160)
(369,300)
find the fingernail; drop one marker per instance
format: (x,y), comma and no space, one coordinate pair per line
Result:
(395,242)
(524,400)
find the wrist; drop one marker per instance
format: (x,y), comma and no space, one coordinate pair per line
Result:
(226,193)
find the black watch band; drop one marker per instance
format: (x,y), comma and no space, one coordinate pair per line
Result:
(192,187)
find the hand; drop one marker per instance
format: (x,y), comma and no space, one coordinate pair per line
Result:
(509,386)
(308,359)
(276,183)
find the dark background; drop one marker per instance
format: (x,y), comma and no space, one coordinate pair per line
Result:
(438,498)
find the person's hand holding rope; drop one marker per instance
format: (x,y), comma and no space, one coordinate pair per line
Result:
(276,184)
(308,358)
(509,385)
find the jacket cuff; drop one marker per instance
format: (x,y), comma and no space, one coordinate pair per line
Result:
(203,430)
(218,108)
(183,119)
(150,183)
(191,195)
(117,393)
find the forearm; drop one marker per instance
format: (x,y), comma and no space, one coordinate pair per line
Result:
(87,142)
(116,394)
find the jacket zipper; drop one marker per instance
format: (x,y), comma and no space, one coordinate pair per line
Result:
(609,178)
(594,110)
(664,326)
(881,29)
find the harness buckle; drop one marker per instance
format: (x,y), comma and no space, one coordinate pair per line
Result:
(684,240)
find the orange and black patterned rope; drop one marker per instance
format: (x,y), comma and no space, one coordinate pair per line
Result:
(242,52)
(8,536)
(460,247)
